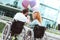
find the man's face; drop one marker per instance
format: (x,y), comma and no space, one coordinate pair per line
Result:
(26,14)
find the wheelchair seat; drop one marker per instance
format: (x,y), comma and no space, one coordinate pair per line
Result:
(39,31)
(16,27)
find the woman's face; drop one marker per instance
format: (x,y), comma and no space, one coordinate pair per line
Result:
(34,15)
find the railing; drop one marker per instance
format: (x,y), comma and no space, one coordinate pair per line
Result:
(48,19)
(5,18)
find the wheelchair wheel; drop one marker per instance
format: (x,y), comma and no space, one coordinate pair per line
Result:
(28,34)
(45,37)
(6,35)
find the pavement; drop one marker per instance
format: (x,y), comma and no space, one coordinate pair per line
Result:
(52,36)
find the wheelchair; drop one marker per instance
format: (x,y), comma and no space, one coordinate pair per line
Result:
(39,32)
(7,34)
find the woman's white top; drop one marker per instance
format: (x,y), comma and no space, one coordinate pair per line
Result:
(20,17)
(34,22)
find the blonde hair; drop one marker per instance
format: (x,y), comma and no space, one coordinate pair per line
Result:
(38,16)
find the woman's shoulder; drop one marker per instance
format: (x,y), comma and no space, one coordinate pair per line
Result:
(37,22)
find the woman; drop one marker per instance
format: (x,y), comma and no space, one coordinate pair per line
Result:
(36,19)
(36,25)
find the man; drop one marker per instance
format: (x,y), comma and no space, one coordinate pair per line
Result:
(19,20)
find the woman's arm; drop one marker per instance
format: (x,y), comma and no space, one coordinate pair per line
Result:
(28,19)
(34,22)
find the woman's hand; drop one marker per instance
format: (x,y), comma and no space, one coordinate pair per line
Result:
(28,19)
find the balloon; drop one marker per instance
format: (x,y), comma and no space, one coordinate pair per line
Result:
(37,7)
(25,3)
(32,3)
(32,0)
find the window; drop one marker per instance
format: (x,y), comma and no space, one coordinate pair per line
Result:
(49,14)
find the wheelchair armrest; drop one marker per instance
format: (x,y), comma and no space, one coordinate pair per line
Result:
(9,22)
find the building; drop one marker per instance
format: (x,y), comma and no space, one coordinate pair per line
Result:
(48,8)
